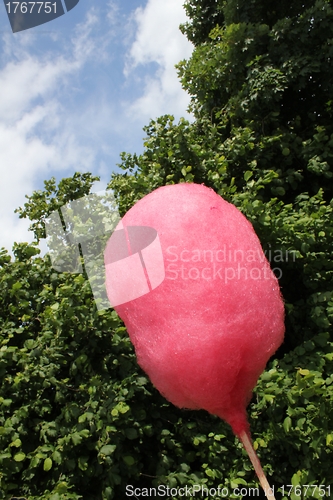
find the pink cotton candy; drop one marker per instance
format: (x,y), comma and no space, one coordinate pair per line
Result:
(205,333)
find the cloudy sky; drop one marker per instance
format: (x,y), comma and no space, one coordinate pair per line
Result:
(76,92)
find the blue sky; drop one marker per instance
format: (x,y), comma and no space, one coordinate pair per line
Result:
(76,92)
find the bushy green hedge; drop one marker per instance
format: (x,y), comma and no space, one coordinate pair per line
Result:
(80,420)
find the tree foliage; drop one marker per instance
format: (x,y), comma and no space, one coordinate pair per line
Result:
(78,418)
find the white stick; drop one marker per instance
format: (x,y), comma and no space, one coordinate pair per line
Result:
(257,465)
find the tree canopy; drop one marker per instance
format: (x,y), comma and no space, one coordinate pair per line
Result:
(78,418)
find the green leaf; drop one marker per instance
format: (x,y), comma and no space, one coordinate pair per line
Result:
(47,464)
(122,407)
(108,493)
(57,457)
(131,433)
(295,480)
(129,460)
(76,438)
(279,191)
(210,473)
(83,463)
(287,423)
(19,457)
(329,439)
(17,443)
(108,449)
(248,174)
(17,286)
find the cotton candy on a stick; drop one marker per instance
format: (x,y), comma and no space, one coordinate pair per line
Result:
(206,332)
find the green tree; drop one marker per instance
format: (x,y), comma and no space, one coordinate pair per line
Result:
(263,77)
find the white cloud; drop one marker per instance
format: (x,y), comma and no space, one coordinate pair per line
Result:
(36,132)
(23,81)
(113,13)
(84,43)
(158,40)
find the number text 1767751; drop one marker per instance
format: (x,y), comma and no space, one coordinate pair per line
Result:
(31,7)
